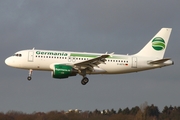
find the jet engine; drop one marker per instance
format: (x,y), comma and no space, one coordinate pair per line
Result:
(63,71)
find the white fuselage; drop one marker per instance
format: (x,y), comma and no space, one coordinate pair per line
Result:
(64,64)
(115,64)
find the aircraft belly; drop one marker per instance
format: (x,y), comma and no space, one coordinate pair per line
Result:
(98,71)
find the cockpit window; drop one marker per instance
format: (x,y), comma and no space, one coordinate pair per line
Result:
(18,55)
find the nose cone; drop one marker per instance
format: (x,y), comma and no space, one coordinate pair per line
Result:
(13,62)
(8,61)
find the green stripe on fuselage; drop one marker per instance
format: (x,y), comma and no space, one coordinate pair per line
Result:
(83,55)
(94,56)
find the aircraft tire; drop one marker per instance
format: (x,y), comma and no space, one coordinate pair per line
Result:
(29,78)
(84,81)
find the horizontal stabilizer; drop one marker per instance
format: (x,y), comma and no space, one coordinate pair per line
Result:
(159,61)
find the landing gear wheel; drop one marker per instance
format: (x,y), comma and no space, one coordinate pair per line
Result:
(29,78)
(30,74)
(84,81)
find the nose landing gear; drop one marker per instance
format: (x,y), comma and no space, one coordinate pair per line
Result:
(30,74)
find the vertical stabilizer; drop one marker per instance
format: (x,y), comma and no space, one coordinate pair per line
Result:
(156,47)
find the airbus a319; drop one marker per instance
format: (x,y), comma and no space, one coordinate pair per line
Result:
(64,64)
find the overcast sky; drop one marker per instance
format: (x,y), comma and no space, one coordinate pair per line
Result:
(120,26)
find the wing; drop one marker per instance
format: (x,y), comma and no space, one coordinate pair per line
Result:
(90,64)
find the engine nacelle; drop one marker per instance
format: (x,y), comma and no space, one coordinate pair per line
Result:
(63,71)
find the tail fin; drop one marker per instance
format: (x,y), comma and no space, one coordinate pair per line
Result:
(156,47)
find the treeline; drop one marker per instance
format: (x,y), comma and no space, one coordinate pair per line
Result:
(144,112)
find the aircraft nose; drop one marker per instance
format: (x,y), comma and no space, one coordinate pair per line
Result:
(8,61)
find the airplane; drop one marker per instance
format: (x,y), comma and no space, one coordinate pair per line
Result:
(64,64)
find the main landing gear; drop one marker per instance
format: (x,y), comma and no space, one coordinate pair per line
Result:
(84,81)
(30,74)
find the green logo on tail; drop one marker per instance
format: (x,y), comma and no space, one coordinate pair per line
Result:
(158,44)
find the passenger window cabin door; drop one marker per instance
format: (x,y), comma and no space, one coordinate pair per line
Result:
(134,62)
(30,56)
